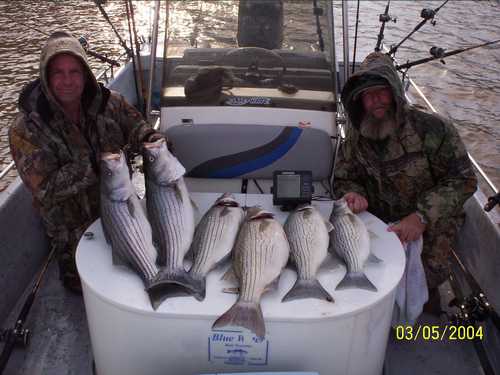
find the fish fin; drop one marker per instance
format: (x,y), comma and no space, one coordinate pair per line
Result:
(179,277)
(307,289)
(118,259)
(161,291)
(273,285)
(373,235)
(190,254)
(233,290)
(131,207)
(225,211)
(230,276)
(194,204)
(372,258)
(243,314)
(178,192)
(263,225)
(198,286)
(329,226)
(356,280)
(107,237)
(226,259)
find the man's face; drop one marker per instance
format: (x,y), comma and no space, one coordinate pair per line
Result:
(66,79)
(377,101)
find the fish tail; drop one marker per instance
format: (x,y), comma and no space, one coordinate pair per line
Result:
(243,314)
(169,284)
(177,276)
(156,296)
(356,280)
(307,289)
(197,285)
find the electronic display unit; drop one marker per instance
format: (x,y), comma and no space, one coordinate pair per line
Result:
(291,188)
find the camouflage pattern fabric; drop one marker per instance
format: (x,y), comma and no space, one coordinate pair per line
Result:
(422,166)
(58,160)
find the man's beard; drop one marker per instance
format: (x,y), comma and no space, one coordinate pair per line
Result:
(378,129)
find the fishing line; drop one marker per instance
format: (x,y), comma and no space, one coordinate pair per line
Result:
(427,14)
(319,12)
(440,53)
(105,15)
(83,41)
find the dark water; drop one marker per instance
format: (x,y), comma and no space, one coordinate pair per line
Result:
(467,88)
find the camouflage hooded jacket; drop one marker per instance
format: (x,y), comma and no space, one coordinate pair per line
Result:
(58,160)
(422,166)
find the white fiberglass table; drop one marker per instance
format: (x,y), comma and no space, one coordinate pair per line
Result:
(348,336)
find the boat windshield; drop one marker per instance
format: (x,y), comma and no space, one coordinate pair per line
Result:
(249,40)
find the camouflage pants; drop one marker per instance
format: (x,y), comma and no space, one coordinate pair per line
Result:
(438,241)
(65,244)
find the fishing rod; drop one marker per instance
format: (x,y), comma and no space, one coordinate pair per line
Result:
(142,99)
(138,85)
(439,54)
(383,18)
(355,39)
(85,45)
(83,41)
(471,310)
(317,11)
(98,3)
(18,335)
(427,14)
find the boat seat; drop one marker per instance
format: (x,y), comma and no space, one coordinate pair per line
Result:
(250,151)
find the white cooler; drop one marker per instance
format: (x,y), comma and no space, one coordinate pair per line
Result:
(346,337)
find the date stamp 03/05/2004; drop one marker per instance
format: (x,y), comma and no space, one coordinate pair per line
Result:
(438,333)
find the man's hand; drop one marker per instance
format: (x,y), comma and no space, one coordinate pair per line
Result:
(410,228)
(356,202)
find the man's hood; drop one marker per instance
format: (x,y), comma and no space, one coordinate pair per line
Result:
(63,42)
(377,69)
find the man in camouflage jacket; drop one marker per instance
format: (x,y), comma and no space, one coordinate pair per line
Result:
(66,120)
(405,166)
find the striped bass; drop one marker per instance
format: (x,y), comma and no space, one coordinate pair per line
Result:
(125,225)
(260,254)
(214,239)
(307,234)
(170,210)
(351,241)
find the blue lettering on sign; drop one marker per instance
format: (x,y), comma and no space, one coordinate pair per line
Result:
(237,348)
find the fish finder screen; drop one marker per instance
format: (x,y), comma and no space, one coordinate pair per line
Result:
(288,186)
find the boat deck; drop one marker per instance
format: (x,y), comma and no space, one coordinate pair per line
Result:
(60,341)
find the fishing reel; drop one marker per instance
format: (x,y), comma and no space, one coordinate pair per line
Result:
(386,18)
(472,309)
(428,14)
(492,202)
(86,47)
(20,336)
(438,53)
(84,43)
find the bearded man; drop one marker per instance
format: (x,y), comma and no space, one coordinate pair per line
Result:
(403,165)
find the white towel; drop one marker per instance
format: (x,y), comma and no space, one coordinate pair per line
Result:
(411,293)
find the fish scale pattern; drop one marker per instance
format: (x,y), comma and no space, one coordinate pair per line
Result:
(129,239)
